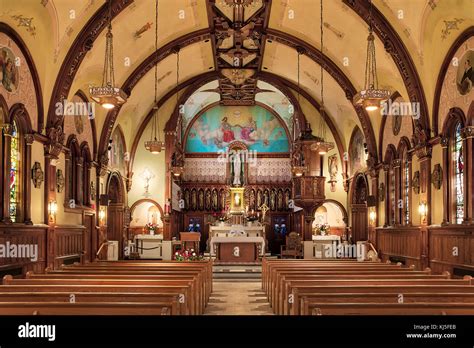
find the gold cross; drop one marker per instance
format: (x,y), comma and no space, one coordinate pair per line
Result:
(264,208)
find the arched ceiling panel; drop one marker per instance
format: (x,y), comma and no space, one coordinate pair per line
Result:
(345,41)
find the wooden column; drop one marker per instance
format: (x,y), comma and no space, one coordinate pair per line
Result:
(446,177)
(424,158)
(7,132)
(397,207)
(79,181)
(386,170)
(29,138)
(468,148)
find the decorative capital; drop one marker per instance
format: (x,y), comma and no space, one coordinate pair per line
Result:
(396,163)
(444,141)
(423,151)
(7,129)
(55,143)
(467,132)
(29,139)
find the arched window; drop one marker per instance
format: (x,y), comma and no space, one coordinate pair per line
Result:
(15,170)
(458,170)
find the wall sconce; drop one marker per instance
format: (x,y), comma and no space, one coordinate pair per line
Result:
(52,210)
(423,210)
(372,216)
(102,215)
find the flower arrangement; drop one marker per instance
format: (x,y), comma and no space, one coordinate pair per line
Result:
(151,228)
(322,229)
(188,255)
(222,217)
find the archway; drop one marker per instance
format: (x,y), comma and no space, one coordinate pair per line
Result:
(115,210)
(359,208)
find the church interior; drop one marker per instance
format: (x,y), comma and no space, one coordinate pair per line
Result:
(237,157)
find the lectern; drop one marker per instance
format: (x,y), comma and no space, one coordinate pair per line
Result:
(190,238)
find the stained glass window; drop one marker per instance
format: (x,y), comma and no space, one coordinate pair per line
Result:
(406,190)
(14,173)
(458,174)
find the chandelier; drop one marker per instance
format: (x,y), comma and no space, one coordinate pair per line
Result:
(371,96)
(298,168)
(321,145)
(155,145)
(177,167)
(108,95)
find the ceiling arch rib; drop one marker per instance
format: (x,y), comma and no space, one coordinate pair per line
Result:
(141,71)
(394,45)
(197,82)
(337,74)
(281,37)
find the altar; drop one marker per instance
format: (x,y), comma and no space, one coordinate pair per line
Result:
(237,243)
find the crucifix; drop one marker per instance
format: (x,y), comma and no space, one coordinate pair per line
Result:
(264,208)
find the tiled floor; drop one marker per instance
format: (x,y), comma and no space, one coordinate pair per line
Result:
(238,298)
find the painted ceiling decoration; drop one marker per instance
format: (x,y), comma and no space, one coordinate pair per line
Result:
(218,127)
(235,43)
(238,39)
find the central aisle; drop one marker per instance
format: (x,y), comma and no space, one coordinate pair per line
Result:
(238,298)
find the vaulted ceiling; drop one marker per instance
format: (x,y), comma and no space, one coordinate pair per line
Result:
(425,29)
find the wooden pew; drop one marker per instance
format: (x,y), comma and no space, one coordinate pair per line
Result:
(86,308)
(311,301)
(392,308)
(185,307)
(176,308)
(282,303)
(187,286)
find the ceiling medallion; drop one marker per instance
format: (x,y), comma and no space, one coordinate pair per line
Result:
(371,96)
(108,95)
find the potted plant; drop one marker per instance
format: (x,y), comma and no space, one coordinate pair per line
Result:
(188,255)
(322,229)
(151,228)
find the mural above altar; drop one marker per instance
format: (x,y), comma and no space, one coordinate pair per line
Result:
(218,127)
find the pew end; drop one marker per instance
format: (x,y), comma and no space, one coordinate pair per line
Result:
(7,279)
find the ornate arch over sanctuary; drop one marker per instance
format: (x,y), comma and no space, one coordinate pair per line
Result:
(249,131)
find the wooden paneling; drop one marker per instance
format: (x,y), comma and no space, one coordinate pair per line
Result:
(451,247)
(403,243)
(443,248)
(24,235)
(68,244)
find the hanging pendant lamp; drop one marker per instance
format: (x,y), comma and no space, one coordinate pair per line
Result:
(371,96)
(155,145)
(322,146)
(108,95)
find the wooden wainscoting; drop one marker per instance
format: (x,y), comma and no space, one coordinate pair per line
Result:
(68,244)
(20,234)
(451,247)
(400,244)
